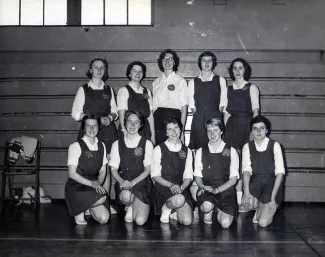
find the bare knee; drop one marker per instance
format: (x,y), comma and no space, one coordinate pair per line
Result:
(206,207)
(177,202)
(186,220)
(103,218)
(263,223)
(126,196)
(140,220)
(226,222)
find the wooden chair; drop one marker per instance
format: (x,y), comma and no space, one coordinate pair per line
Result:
(9,171)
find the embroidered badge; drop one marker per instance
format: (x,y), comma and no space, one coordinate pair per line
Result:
(89,154)
(105,96)
(171,87)
(225,152)
(182,154)
(138,151)
(146,96)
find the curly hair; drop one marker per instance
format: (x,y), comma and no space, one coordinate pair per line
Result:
(261,119)
(162,56)
(89,72)
(209,54)
(91,116)
(130,67)
(172,120)
(247,67)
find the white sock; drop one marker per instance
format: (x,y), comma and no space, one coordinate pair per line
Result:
(239,196)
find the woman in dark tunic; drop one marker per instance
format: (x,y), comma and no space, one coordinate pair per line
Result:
(97,97)
(216,173)
(130,162)
(87,170)
(263,171)
(241,106)
(205,93)
(172,173)
(138,98)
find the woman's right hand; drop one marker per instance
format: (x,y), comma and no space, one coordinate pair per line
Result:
(126,184)
(247,200)
(98,187)
(176,189)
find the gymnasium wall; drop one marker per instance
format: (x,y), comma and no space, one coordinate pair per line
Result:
(41,69)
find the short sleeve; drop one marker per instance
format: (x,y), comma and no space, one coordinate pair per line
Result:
(254,94)
(74,153)
(115,156)
(122,99)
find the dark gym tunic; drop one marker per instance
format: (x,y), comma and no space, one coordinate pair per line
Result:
(207,100)
(216,170)
(172,169)
(98,102)
(79,197)
(237,129)
(131,166)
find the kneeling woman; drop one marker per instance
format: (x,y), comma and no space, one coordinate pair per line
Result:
(172,173)
(216,173)
(87,171)
(130,162)
(263,171)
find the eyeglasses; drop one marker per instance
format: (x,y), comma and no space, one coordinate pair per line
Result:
(168,59)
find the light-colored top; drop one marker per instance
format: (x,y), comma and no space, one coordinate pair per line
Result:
(278,157)
(123,96)
(115,155)
(234,160)
(74,151)
(156,161)
(223,90)
(253,91)
(79,101)
(175,97)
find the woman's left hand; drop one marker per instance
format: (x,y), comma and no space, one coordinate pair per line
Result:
(105,121)
(272,206)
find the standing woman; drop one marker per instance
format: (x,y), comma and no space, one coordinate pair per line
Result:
(242,105)
(172,173)
(136,97)
(207,94)
(97,97)
(87,170)
(130,162)
(216,173)
(169,94)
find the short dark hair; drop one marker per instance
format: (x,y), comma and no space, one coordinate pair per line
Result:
(162,56)
(172,120)
(262,119)
(210,54)
(215,122)
(91,116)
(247,67)
(89,73)
(130,67)
(128,113)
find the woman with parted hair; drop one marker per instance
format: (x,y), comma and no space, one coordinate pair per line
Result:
(242,104)
(97,97)
(206,98)
(136,97)
(169,94)
(130,163)
(216,173)
(172,173)
(87,171)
